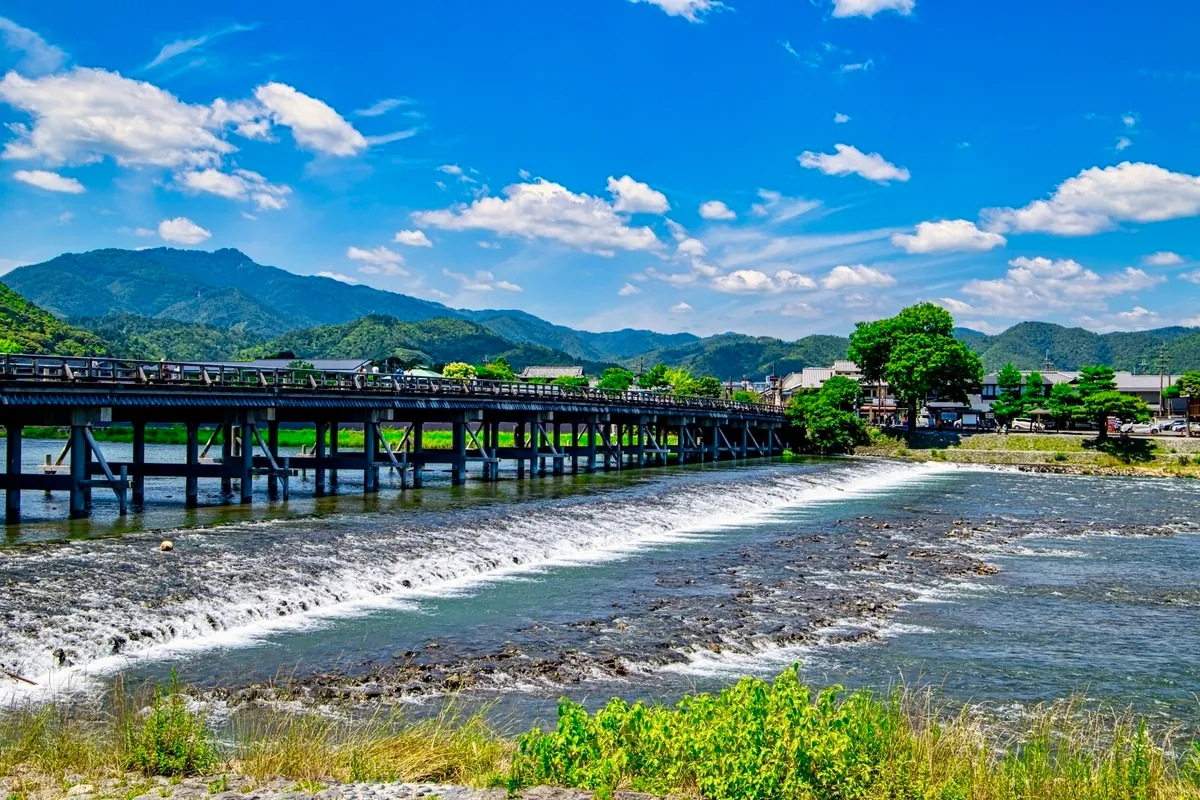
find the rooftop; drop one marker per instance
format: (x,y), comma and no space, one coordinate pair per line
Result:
(551,373)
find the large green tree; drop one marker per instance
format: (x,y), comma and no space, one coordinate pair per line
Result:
(1010,403)
(916,354)
(615,379)
(1099,399)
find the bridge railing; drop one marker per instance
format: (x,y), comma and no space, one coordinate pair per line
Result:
(114,372)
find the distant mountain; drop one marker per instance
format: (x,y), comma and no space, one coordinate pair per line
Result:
(519,326)
(1028,344)
(25,328)
(435,341)
(734,355)
(224,288)
(151,339)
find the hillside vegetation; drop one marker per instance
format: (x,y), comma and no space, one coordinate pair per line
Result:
(1027,344)
(147,338)
(25,328)
(736,355)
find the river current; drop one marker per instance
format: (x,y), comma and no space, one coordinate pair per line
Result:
(994,586)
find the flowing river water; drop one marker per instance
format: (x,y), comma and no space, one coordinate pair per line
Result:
(994,586)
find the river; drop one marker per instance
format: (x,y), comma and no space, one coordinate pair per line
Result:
(993,586)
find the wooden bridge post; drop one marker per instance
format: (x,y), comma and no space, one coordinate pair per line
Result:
(535,435)
(273,449)
(226,456)
(139,462)
(591,435)
(559,465)
(574,448)
(458,443)
(519,447)
(641,441)
(191,482)
(418,438)
(246,457)
(333,453)
(80,466)
(745,449)
(12,467)
(319,451)
(370,450)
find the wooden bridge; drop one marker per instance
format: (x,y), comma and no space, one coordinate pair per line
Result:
(608,430)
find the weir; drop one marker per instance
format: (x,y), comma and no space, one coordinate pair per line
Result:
(608,430)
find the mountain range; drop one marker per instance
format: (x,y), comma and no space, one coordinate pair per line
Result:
(197,305)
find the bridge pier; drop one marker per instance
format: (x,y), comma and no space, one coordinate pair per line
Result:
(139,462)
(273,449)
(319,451)
(418,438)
(192,487)
(458,446)
(245,454)
(12,466)
(333,453)
(370,450)
(79,470)
(226,457)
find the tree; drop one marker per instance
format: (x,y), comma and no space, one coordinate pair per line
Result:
(615,379)
(1064,403)
(1102,405)
(1009,404)
(1035,387)
(568,380)
(654,378)
(842,393)
(819,425)
(916,353)
(747,396)
(497,370)
(707,386)
(1189,384)
(459,370)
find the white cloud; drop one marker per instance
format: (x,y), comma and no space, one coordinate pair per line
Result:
(781,208)
(1035,285)
(955,306)
(337,276)
(800,311)
(546,210)
(381,107)
(451,169)
(481,281)
(138,231)
(1122,143)
(182,231)
(948,236)
(635,197)
(849,160)
(85,115)
(692,248)
(50,181)
(858,275)
(377,256)
(628,290)
(691,10)
(1163,258)
(1193,276)
(1191,322)
(869,8)
(490,245)
(1097,199)
(680,308)
(715,209)
(38,57)
(841,119)
(242,185)
(181,46)
(315,125)
(1129,119)
(752,281)
(1136,318)
(857,66)
(412,239)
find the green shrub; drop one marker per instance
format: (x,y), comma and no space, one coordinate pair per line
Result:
(171,739)
(1060,456)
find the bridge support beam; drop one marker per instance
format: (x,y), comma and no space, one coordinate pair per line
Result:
(139,462)
(80,458)
(192,483)
(12,467)
(273,448)
(245,455)
(458,444)
(226,456)
(333,453)
(418,439)
(370,450)
(319,450)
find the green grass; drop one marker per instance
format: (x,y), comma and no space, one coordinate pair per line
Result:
(756,739)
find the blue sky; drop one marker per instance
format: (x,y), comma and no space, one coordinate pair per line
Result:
(776,167)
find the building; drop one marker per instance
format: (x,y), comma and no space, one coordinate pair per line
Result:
(319,364)
(549,373)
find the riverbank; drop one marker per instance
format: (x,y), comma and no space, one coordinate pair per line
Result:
(753,739)
(1060,454)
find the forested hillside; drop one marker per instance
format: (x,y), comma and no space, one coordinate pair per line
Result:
(1028,344)
(146,338)
(25,328)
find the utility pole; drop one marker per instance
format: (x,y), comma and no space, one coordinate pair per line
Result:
(1164,371)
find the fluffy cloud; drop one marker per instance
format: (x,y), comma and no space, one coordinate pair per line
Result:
(38,57)
(634,197)
(50,181)
(955,306)
(1122,143)
(691,10)
(242,185)
(752,281)
(869,8)
(680,308)
(1129,120)
(1193,276)
(546,210)
(315,125)
(1163,258)
(377,261)
(451,169)
(1034,285)
(715,209)
(628,290)
(841,119)
(858,275)
(412,239)
(948,236)
(182,231)
(849,160)
(781,208)
(481,281)
(85,115)
(1136,318)
(1098,199)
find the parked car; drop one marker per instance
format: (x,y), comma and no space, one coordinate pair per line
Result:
(1025,425)
(1141,428)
